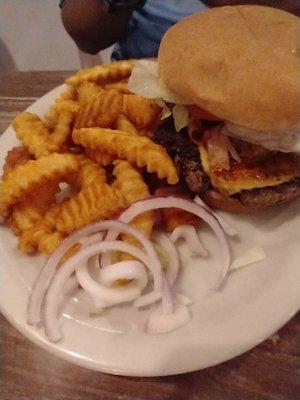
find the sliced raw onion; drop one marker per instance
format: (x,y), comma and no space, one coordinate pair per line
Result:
(229,230)
(110,296)
(167,297)
(147,299)
(173,260)
(182,299)
(48,271)
(62,275)
(70,286)
(91,239)
(129,270)
(189,234)
(190,206)
(159,322)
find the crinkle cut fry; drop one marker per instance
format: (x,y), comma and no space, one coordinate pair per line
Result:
(103,159)
(29,212)
(142,112)
(102,110)
(62,130)
(131,184)
(174,217)
(135,149)
(40,237)
(16,156)
(123,124)
(87,91)
(94,202)
(89,172)
(26,178)
(34,135)
(105,73)
(59,107)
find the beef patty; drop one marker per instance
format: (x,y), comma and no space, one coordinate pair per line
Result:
(187,160)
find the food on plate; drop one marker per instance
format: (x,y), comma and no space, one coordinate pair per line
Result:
(126,146)
(61,133)
(87,91)
(89,172)
(29,211)
(102,74)
(142,112)
(40,237)
(102,110)
(104,159)
(65,102)
(174,217)
(120,86)
(131,184)
(236,72)
(15,156)
(136,149)
(123,124)
(92,203)
(30,176)
(34,134)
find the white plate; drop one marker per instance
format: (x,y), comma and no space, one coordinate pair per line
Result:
(254,302)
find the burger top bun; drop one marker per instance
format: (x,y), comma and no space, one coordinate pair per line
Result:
(241,63)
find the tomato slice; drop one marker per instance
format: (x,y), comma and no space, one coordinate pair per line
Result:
(201,114)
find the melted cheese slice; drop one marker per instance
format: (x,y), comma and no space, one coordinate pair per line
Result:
(274,170)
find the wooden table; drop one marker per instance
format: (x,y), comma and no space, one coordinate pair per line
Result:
(270,371)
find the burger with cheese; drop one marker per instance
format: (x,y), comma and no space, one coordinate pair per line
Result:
(236,71)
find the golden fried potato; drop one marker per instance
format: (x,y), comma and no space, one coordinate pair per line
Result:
(60,106)
(24,179)
(173,217)
(89,173)
(87,91)
(102,111)
(34,135)
(40,237)
(24,217)
(131,184)
(119,86)
(143,113)
(30,239)
(16,156)
(30,211)
(103,74)
(62,130)
(99,157)
(94,202)
(123,124)
(135,149)
(49,241)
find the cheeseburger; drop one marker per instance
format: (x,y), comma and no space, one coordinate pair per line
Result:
(238,71)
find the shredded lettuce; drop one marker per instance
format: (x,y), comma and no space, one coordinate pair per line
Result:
(251,256)
(180,116)
(144,81)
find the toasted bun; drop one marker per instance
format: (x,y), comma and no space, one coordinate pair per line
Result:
(240,63)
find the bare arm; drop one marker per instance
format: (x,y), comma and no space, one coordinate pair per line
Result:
(90,26)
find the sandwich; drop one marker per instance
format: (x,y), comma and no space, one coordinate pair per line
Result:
(236,71)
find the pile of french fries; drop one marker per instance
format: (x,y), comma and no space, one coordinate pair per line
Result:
(96,137)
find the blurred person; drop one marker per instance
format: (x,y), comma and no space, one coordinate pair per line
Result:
(136,26)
